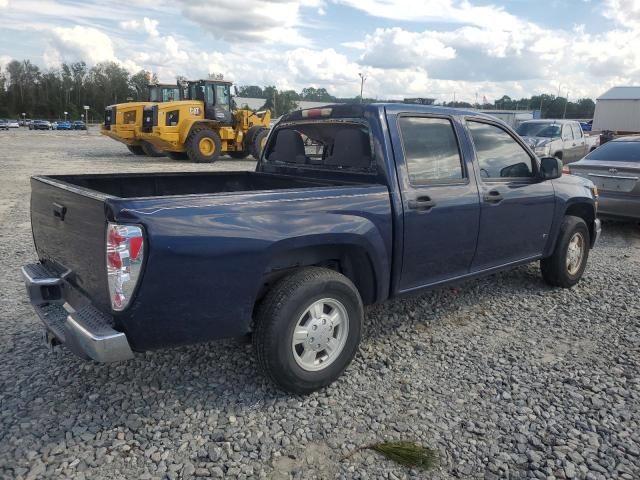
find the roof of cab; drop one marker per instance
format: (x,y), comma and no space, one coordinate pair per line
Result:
(358,110)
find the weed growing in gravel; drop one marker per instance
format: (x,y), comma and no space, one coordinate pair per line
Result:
(405,453)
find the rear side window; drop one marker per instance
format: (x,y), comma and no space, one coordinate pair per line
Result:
(617,152)
(430,149)
(499,155)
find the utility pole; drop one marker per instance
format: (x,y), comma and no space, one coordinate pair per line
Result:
(363,78)
(564,114)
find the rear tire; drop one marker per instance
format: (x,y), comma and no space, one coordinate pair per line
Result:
(151,150)
(258,143)
(324,310)
(204,145)
(135,149)
(564,268)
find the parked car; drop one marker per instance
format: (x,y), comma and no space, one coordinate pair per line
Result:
(615,169)
(399,199)
(13,124)
(587,126)
(40,125)
(4,124)
(563,139)
(78,125)
(63,125)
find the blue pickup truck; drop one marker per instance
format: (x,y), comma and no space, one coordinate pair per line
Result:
(348,206)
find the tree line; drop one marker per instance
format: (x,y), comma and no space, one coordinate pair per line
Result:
(25,88)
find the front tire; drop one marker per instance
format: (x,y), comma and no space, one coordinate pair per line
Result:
(238,155)
(564,268)
(204,145)
(308,329)
(135,149)
(150,150)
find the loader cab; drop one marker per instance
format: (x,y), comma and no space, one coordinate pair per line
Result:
(165,93)
(216,96)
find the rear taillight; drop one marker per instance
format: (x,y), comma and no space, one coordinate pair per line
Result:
(125,252)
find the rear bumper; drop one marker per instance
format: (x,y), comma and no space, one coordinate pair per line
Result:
(619,206)
(85,331)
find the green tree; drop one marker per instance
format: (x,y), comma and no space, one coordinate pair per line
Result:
(280,102)
(251,91)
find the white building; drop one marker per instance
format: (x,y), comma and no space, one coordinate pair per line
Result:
(618,110)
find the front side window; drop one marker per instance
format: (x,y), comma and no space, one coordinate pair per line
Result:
(499,155)
(567,134)
(430,149)
(577,131)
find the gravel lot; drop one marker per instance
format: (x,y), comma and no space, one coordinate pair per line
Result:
(504,376)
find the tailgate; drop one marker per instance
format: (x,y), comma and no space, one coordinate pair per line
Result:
(68,226)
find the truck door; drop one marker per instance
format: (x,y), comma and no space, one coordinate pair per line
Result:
(516,206)
(439,197)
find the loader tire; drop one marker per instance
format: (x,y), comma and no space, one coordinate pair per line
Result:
(249,136)
(238,155)
(177,155)
(151,150)
(135,149)
(258,143)
(204,145)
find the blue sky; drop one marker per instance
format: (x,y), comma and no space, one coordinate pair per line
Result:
(435,48)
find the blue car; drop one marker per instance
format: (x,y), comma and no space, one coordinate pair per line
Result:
(64,125)
(586,126)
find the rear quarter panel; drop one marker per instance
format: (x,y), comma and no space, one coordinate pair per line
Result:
(207,254)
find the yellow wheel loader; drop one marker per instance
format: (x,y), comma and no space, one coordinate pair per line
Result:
(123,121)
(205,126)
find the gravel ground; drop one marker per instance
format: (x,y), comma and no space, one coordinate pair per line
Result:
(504,376)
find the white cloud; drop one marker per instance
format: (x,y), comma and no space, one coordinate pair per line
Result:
(4,3)
(131,25)
(86,43)
(625,12)
(435,10)
(248,21)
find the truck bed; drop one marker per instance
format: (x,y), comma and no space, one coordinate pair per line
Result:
(132,185)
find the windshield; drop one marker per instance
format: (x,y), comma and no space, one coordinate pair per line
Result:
(539,129)
(616,152)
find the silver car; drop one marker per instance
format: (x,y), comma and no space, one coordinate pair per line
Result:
(615,169)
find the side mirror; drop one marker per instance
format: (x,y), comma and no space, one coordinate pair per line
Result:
(550,168)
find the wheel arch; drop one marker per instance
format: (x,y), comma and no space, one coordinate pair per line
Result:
(350,259)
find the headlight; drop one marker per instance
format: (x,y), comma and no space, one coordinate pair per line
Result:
(542,150)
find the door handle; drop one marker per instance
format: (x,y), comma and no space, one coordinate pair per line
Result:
(422,203)
(493,196)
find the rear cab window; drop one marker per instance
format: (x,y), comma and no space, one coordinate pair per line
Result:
(323,143)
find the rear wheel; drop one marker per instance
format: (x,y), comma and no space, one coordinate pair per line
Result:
(177,155)
(135,149)
(204,145)
(308,329)
(151,150)
(259,142)
(564,268)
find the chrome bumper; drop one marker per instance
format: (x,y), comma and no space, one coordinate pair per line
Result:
(85,331)
(597,228)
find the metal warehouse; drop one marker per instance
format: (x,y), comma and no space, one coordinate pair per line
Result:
(618,109)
